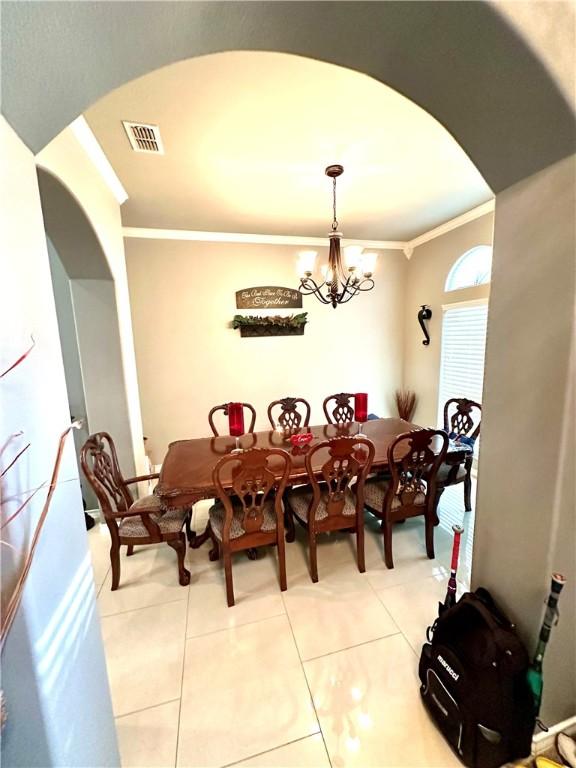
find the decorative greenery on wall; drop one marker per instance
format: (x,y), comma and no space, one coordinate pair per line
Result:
(273,325)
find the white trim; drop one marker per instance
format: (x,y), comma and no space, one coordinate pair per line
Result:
(448,226)
(149,233)
(146,233)
(90,145)
(461,304)
(543,741)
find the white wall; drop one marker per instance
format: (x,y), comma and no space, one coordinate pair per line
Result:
(189,359)
(525,518)
(53,669)
(66,159)
(426,277)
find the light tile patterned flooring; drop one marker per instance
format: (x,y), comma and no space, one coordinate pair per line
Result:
(321,675)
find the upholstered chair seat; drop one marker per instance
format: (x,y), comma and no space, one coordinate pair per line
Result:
(445,472)
(217,514)
(168,522)
(300,504)
(375,491)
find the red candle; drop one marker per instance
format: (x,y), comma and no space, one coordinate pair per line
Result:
(361,407)
(236,419)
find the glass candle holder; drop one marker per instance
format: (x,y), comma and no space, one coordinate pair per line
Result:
(360,410)
(236,423)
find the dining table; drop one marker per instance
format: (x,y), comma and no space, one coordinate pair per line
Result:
(186,473)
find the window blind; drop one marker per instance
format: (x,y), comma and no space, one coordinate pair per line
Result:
(462,359)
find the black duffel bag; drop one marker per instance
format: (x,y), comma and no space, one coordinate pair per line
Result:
(473,675)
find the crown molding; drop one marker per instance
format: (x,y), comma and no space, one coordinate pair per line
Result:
(145,233)
(89,143)
(448,226)
(407,247)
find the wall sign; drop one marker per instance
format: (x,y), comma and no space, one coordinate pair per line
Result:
(268,297)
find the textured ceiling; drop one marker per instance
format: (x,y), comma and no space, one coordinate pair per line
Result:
(247,136)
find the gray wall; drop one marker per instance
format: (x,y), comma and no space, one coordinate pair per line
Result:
(525,518)
(71,360)
(96,318)
(459,61)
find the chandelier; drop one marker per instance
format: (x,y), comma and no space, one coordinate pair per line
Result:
(340,283)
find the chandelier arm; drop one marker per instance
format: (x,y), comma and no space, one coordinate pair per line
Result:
(308,286)
(366,280)
(347,295)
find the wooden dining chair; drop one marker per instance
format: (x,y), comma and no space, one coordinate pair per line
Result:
(462,419)
(130,522)
(250,513)
(338,409)
(411,489)
(289,417)
(224,408)
(337,501)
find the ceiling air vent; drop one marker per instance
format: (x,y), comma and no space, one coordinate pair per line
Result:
(144,138)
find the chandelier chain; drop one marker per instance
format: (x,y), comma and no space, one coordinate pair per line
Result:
(334,219)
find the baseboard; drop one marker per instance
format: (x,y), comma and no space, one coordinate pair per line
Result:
(542,742)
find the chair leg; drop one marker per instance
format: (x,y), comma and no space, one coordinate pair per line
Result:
(214,553)
(179,546)
(130,550)
(439,492)
(282,561)
(115,562)
(387,534)
(228,573)
(190,534)
(290,527)
(468,489)
(430,537)
(313,556)
(360,545)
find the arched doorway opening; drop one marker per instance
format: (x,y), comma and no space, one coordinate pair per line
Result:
(85,300)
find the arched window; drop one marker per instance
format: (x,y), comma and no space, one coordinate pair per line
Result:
(472,268)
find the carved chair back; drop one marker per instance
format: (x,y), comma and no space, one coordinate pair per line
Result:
(462,417)
(415,473)
(289,416)
(224,408)
(254,474)
(99,462)
(346,468)
(340,411)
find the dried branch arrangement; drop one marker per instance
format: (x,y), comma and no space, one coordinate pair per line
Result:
(405,403)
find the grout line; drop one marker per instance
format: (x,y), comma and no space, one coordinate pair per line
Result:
(356,645)
(141,608)
(267,751)
(182,676)
(235,626)
(144,709)
(307,684)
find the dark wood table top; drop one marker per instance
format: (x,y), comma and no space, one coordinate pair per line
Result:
(186,474)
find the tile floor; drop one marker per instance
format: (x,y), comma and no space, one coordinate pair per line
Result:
(321,675)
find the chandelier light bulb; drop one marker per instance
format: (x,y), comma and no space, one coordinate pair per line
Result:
(306,262)
(353,256)
(368,263)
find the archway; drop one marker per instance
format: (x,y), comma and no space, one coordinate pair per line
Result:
(88,322)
